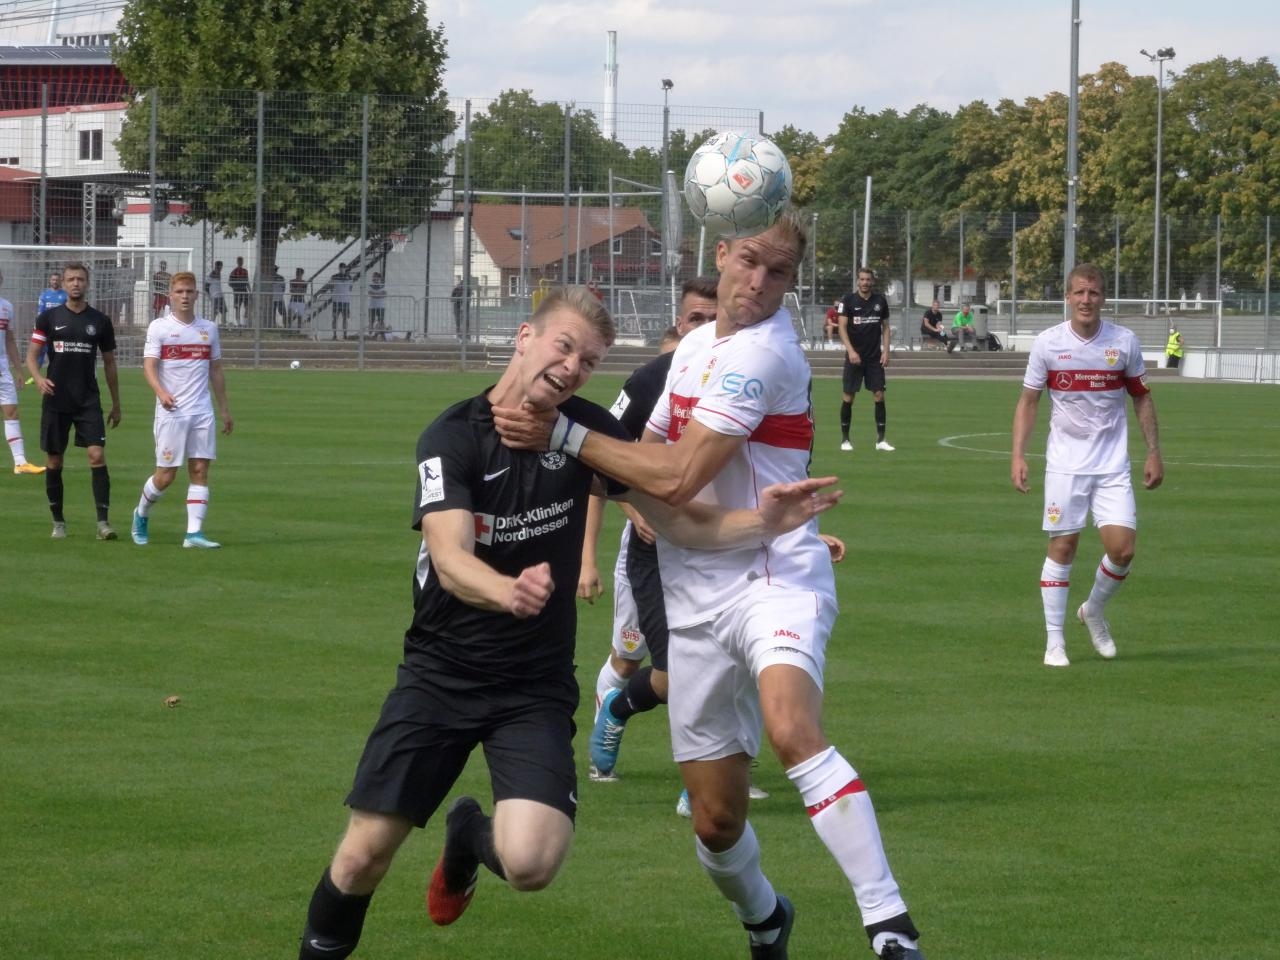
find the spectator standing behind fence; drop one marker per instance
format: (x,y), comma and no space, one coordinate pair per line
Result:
(239,280)
(1173,349)
(962,326)
(213,288)
(377,307)
(931,326)
(277,297)
(160,290)
(53,296)
(297,298)
(340,287)
(456,296)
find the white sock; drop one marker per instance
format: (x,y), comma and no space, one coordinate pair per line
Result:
(1106,581)
(13,433)
(607,679)
(736,873)
(841,812)
(1055,579)
(150,494)
(197,507)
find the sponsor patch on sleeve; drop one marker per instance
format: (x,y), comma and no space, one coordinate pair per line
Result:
(620,405)
(430,481)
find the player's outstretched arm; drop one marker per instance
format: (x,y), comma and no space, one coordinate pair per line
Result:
(450,539)
(783,507)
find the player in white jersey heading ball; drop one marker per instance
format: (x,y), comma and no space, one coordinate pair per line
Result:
(748,626)
(182,361)
(1088,365)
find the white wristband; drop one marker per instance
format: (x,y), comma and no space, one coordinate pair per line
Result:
(568,436)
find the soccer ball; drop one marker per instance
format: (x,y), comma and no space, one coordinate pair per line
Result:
(295,365)
(737,185)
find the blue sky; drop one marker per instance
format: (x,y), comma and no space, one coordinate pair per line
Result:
(810,61)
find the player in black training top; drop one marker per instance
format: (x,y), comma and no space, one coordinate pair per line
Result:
(639,614)
(864,330)
(74,333)
(488,657)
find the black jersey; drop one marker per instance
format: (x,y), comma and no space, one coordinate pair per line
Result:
(73,341)
(640,394)
(528,508)
(865,320)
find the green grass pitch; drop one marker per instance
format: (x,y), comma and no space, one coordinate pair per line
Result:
(1121,809)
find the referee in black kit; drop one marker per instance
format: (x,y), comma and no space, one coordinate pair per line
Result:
(488,657)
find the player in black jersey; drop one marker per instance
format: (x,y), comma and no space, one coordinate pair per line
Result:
(74,333)
(623,688)
(864,330)
(488,656)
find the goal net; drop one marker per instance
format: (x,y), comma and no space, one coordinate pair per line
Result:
(120,279)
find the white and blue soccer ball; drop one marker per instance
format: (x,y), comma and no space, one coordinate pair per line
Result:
(295,365)
(737,185)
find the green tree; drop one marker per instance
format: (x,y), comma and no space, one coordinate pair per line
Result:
(194,52)
(517,143)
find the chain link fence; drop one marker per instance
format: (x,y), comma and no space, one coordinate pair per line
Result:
(346,218)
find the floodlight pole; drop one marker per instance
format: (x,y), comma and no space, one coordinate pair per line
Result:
(1159,57)
(666,213)
(1073,159)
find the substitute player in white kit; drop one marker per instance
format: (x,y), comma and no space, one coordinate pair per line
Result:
(10,384)
(1088,365)
(182,361)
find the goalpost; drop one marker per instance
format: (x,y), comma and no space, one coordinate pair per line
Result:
(119,279)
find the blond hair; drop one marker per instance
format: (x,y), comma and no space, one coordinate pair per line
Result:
(578,300)
(183,275)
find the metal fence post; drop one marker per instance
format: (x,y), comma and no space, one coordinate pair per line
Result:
(363,318)
(466,236)
(260,305)
(151,219)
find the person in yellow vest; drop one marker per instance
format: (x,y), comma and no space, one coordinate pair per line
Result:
(1173,349)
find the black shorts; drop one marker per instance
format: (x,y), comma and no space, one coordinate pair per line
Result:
(933,335)
(341,310)
(870,372)
(646,588)
(55,428)
(426,732)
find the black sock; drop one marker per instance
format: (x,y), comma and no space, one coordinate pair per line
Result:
(475,836)
(881,417)
(774,921)
(101,491)
(900,924)
(334,922)
(846,417)
(638,696)
(53,489)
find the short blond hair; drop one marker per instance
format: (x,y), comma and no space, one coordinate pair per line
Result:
(581,301)
(183,275)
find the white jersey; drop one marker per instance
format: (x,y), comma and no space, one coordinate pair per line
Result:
(215,287)
(185,351)
(6,324)
(341,284)
(754,384)
(1087,381)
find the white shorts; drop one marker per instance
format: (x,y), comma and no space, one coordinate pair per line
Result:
(1069,498)
(297,307)
(184,438)
(8,389)
(714,701)
(628,638)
